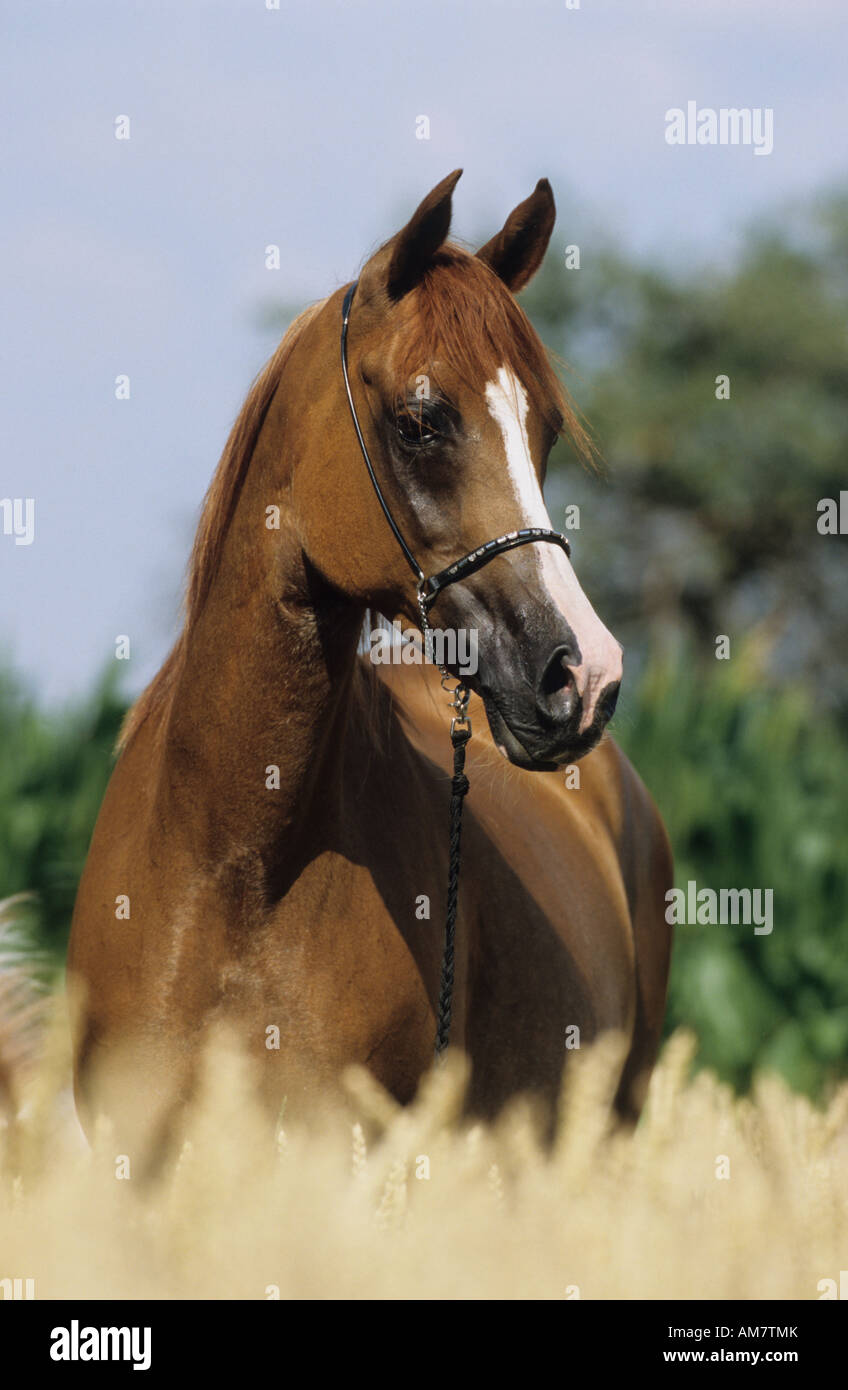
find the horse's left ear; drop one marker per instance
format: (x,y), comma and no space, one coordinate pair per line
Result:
(516,253)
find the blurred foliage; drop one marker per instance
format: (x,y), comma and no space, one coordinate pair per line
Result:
(53,774)
(753,785)
(703,518)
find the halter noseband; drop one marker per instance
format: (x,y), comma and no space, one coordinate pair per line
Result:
(429,589)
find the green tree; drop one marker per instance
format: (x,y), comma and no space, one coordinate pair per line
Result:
(703,518)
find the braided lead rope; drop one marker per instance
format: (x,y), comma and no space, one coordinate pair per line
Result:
(459,790)
(460,732)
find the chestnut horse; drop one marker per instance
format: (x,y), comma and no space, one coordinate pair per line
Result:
(272,847)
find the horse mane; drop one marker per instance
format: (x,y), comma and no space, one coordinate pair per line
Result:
(216,514)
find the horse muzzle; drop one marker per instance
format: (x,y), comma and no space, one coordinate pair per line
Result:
(551,711)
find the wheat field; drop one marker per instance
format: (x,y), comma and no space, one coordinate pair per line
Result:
(710,1197)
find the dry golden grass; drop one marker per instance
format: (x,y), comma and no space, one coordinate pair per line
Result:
(333,1214)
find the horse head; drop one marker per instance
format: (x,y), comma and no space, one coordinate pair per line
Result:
(458,407)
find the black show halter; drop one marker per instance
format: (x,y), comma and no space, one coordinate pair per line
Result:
(428,591)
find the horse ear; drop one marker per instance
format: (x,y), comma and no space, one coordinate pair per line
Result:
(401,263)
(415,245)
(516,253)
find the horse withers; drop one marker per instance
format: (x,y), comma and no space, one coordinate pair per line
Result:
(271,853)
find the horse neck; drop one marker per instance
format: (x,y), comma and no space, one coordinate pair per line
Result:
(266,682)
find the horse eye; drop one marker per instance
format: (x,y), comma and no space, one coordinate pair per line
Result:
(420,422)
(414,429)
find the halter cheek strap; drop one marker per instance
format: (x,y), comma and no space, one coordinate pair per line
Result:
(429,589)
(398,534)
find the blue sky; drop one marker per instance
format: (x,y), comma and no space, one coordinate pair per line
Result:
(252,126)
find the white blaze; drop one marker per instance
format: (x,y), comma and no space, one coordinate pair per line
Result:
(601,654)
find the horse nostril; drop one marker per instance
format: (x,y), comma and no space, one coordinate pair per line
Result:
(608,701)
(556,676)
(556,691)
